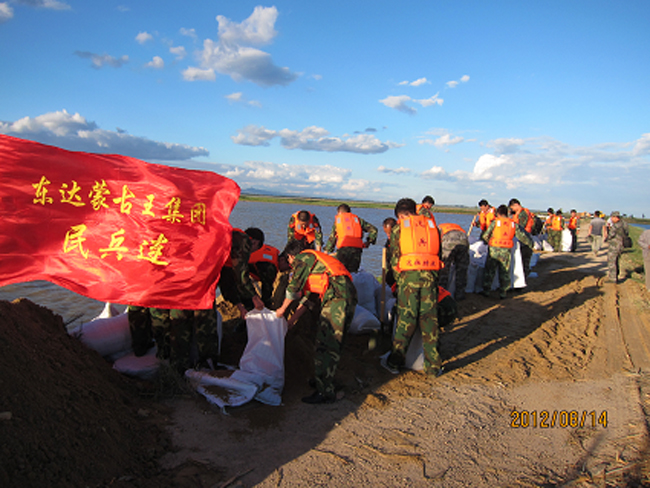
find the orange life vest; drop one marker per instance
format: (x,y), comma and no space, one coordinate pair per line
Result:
(318,283)
(573,223)
(444,228)
(308,232)
(348,231)
(485,218)
(419,244)
(556,222)
(503,233)
(265,254)
(228,263)
(531,219)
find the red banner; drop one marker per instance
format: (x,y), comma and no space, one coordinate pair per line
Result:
(113,228)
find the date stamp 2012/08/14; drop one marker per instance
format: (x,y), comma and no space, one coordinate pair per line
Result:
(548,419)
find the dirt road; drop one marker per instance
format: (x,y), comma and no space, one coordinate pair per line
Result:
(548,387)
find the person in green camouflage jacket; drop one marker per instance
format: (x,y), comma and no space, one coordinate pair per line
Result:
(417,288)
(499,253)
(350,256)
(614,239)
(338,298)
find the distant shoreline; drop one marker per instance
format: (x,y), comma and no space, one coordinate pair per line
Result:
(329,202)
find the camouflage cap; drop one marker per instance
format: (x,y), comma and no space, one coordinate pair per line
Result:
(616,213)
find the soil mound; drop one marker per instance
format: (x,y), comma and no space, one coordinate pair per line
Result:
(66,417)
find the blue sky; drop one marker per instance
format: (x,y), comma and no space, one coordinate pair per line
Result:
(545,101)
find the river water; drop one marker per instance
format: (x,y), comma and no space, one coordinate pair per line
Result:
(272,218)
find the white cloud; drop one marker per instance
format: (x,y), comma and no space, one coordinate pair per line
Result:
(123,8)
(311,180)
(506,145)
(454,84)
(74,132)
(143,37)
(6,12)
(178,51)
(156,63)
(188,32)
(234,55)
(317,77)
(418,82)
(312,139)
(197,74)
(443,141)
(427,102)
(48,4)
(399,103)
(100,60)
(435,172)
(399,171)
(238,97)
(642,146)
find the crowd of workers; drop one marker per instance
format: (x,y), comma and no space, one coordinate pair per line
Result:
(420,253)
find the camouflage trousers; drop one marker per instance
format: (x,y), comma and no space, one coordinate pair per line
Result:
(554,238)
(498,259)
(350,257)
(335,318)
(177,331)
(417,304)
(140,327)
(459,257)
(613,259)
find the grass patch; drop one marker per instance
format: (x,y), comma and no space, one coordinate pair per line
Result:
(632,259)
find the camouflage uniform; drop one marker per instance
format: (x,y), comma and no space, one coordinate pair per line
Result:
(351,256)
(614,238)
(337,310)
(235,282)
(318,235)
(266,272)
(172,331)
(499,258)
(455,250)
(417,304)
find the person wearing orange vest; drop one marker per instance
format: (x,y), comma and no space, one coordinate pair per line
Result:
(499,236)
(347,237)
(555,231)
(485,215)
(321,276)
(263,264)
(526,220)
(415,259)
(305,227)
(425,208)
(572,225)
(455,251)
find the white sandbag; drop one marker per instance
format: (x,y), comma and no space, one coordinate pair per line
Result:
(517,275)
(220,389)
(478,251)
(414,358)
(474,285)
(110,310)
(364,321)
(546,246)
(538,243)
(143,367)
(261,368)
(567,240)
(110,336)
(367,287)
